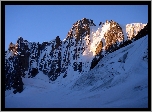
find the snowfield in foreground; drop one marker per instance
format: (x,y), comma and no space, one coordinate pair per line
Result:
(119,80)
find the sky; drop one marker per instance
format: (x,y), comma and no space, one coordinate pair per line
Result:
(39,23)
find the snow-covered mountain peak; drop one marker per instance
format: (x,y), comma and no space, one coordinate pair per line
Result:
(80,29)
(105,35)
(132,29)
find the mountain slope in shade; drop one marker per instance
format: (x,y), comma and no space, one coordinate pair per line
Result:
(119,80)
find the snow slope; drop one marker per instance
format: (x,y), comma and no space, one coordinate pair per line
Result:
(119,80)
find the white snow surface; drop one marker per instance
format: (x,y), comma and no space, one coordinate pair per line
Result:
(96,35)
(111,84)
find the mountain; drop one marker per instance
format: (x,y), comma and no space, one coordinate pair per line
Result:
(115,82)
(89,58)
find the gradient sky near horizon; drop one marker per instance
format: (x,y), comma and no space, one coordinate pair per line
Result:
(39,23)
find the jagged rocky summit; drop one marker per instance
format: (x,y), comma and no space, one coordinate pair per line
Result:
(81,50)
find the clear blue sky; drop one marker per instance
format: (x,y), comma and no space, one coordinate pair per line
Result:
(39,23)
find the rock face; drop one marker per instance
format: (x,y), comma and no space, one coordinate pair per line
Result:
(13,48)
(115,34)
(75,44)
(13,74)
(50,58)
(79,52)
